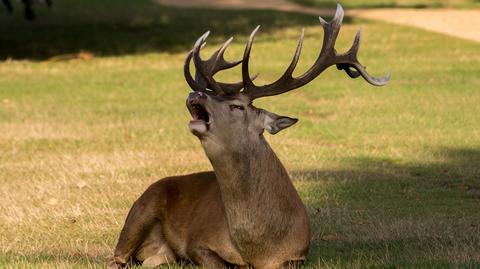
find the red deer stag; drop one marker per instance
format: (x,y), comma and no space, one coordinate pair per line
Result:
(245,213)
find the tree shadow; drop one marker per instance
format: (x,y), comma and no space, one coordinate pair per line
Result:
(449,166)
(129,27)
(360,211)
(390,184)
(385,181)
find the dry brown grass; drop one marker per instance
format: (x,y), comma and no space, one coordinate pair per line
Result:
(386,173)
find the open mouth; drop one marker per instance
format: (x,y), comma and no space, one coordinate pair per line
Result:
(200,123)
(199,113)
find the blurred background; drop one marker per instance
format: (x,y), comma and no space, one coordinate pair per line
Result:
(92,112)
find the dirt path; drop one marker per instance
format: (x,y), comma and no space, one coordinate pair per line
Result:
(459,23)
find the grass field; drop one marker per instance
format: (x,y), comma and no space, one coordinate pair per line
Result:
(393,3)
(390,176)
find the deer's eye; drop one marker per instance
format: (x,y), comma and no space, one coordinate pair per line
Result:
(233,107)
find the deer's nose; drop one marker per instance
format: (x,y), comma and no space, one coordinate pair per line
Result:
(196,98)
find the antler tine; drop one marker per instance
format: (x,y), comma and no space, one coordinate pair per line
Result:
(205,70)
(246,58)
(353,52)
(331,30)
(345,61)
(359,69)
(217,61)
(196,84)
(327,57)
(271,89)
(188,76)
(200,66)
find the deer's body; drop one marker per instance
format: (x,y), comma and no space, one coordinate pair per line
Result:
(247,212)
(231,214)
(178,217)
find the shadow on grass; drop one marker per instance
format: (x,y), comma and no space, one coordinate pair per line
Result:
(449,164)
(373,198)
(129,27)
(393,254)
(440,197)
(452,168)
(400,189)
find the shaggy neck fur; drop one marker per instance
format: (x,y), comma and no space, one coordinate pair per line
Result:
(258,194)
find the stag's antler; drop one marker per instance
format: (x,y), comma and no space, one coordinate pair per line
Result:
(327,57)
(205,70)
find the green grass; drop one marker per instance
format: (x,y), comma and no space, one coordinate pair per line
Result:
(392,3)
(390,176)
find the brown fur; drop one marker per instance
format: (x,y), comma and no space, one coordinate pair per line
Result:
(246,213)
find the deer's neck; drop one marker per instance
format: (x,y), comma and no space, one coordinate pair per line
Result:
(252,171)
(256,190)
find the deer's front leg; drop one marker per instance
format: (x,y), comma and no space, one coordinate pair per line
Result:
(206,258)
(139,222)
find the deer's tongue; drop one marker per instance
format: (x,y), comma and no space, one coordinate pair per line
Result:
(197,126)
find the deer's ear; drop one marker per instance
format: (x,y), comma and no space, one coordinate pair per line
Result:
(274,123)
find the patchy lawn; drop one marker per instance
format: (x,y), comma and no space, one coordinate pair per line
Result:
(92,112)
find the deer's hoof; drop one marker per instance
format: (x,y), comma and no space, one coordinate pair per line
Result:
(112,264)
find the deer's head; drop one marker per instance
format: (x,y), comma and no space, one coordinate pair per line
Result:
(223,113)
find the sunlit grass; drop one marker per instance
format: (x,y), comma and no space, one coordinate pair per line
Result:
(390,175)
